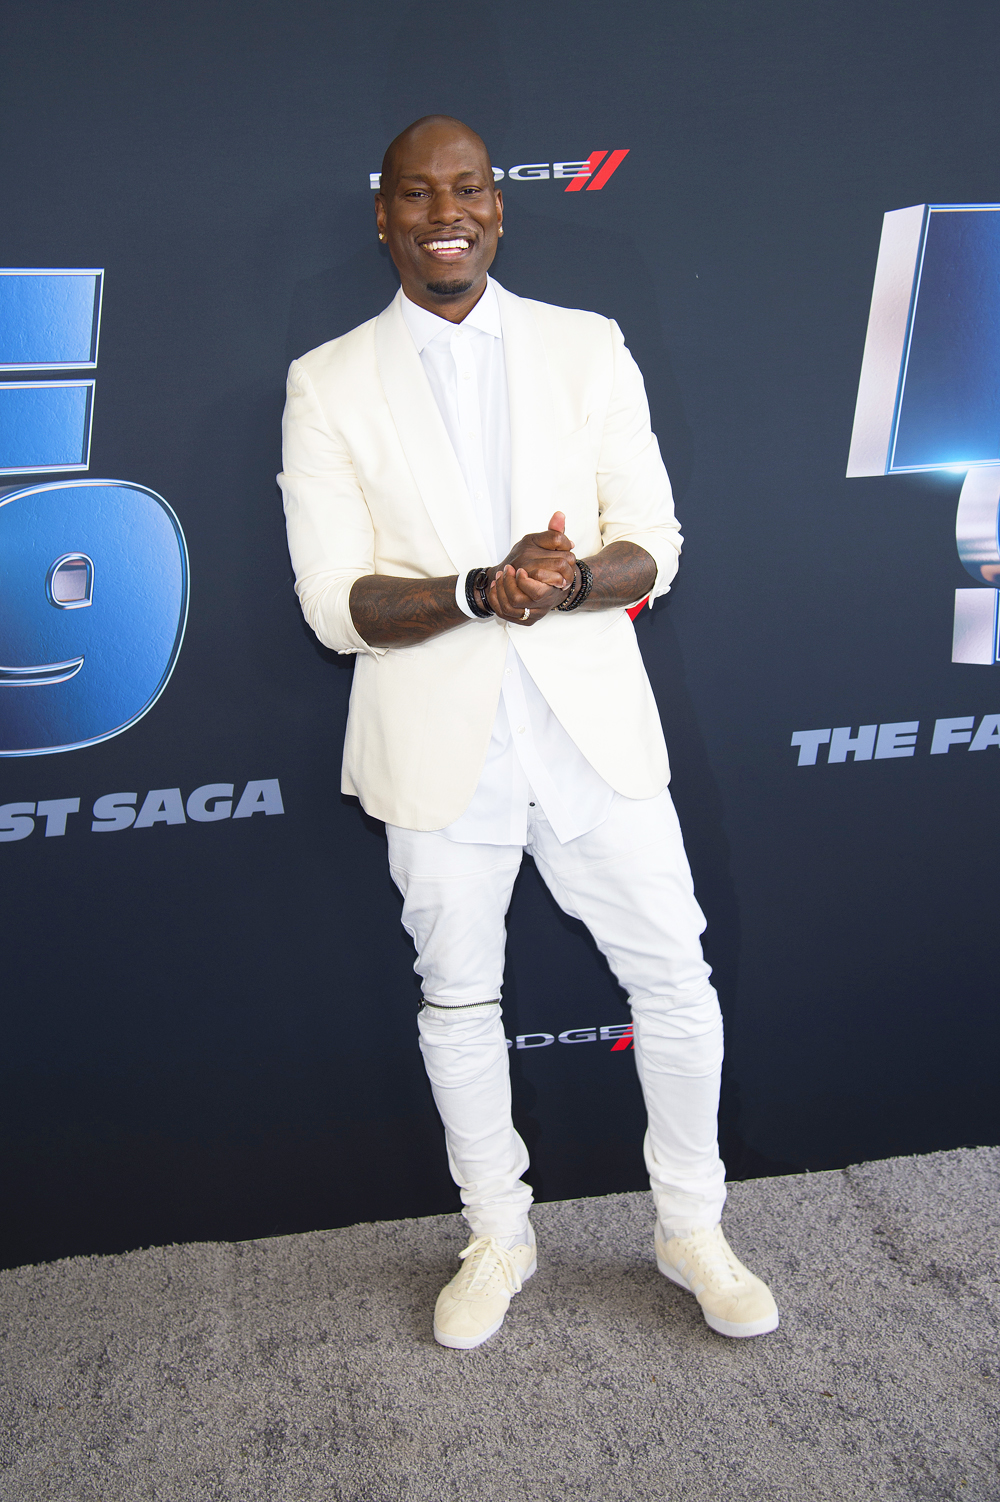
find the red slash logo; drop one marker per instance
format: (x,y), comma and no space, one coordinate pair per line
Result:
(625,1041)
(597,177)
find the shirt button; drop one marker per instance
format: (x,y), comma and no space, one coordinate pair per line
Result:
(506,672)
(520,729)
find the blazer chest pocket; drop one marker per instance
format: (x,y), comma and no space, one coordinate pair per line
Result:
(576,438)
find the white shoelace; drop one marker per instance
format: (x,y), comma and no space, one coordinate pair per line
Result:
(492,1260)
(713,1256)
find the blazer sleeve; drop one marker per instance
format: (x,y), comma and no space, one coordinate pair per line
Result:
(633,490)
(331,538)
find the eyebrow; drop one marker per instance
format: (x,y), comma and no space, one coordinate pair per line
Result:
(421,177)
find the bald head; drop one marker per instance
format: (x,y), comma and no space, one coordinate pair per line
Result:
(427,134)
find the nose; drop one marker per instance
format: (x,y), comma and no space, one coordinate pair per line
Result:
(446,209)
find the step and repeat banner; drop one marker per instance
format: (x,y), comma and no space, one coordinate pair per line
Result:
(208,1001)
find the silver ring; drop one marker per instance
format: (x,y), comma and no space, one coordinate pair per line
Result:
(527,613)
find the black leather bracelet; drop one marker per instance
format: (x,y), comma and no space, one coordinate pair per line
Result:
(586,585)
(475,584)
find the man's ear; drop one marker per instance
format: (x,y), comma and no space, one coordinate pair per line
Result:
(380,213)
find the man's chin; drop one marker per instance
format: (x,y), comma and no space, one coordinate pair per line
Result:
(450,288)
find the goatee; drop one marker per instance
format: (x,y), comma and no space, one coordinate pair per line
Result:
(449,289)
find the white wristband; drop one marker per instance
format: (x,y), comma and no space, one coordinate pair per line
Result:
(460,599)
(462,602)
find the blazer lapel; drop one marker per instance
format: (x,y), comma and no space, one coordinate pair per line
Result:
(425,441)
(530,417)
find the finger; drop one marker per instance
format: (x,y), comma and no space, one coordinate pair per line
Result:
(517,596)
(558,569)
(557,521)
(531,589)
(555,542)
(505,606)
(512,590)
(500,601)
(560,573)
(561,559)
(556,579)
(512,600)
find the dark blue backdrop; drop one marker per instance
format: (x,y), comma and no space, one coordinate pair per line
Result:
(209,1028)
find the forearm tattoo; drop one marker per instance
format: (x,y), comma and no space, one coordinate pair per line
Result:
(391,612)
(623,572)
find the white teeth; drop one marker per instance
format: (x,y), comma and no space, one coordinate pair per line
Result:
(446,245)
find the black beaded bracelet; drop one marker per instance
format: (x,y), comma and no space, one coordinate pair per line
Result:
(475,584)
(586,585)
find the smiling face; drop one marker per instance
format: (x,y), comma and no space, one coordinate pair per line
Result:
(441,214)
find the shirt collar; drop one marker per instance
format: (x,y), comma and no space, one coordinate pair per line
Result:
(425,326)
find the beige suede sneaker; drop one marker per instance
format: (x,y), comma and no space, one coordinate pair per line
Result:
(733,1301)
(472,1306)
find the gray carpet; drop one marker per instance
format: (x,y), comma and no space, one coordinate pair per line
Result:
(303,1367)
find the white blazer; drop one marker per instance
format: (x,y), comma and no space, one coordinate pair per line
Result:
(371,485)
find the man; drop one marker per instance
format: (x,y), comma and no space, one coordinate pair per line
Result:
(499,702)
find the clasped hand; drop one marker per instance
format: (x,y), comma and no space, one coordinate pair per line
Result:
(537,574)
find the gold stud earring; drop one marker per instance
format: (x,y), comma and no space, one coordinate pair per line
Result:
(380,235)
(500,230)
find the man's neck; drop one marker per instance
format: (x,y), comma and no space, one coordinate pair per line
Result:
(454,309)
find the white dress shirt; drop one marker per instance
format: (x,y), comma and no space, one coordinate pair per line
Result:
(531,758)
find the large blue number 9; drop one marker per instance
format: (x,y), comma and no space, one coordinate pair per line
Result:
(94,573)
(92,611)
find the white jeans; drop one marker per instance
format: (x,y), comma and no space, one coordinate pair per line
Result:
(628,880)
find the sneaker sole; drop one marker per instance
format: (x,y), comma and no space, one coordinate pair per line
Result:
(720,1326)
(470,1342)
